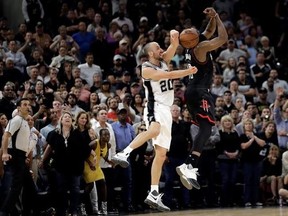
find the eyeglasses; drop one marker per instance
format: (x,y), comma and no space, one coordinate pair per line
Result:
(142,129)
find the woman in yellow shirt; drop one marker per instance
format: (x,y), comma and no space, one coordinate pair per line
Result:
(93,172)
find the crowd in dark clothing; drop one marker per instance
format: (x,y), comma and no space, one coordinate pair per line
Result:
(83,56)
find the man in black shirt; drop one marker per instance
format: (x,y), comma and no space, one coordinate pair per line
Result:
(6,104)
(179,149)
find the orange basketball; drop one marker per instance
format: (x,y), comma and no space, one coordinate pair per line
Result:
(189,38)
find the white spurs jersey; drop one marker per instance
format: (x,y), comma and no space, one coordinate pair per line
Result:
(159,91)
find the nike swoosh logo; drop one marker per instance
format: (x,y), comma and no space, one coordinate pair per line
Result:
(155,198)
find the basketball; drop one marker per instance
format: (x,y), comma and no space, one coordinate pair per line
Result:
(189,38)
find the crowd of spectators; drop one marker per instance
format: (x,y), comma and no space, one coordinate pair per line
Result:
(82,56)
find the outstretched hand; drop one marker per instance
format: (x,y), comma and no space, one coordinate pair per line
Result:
(174,37)
(210,12)
(193,69)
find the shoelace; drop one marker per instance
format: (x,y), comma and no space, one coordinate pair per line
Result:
(160,198)
(195,170)
(161,195)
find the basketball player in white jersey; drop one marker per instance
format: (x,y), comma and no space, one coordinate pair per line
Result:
(159,93)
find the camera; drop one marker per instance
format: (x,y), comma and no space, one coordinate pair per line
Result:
(265,118)
(284,96)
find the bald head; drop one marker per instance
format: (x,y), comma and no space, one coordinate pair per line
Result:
(147,48)
(153,50)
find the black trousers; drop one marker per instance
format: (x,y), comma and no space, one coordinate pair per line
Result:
(16,178)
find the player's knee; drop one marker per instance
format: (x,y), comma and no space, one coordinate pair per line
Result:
(154,131)
(207,133)
(161,154)
(283,193)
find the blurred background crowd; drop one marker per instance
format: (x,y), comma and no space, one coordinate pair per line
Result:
(82,57)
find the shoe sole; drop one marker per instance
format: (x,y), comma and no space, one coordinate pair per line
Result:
(155,205)
(188,183)
(195,184)
(178,170)
(123,164)
(113,213)
(183,179)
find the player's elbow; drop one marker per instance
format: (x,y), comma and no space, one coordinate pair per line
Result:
(223,39)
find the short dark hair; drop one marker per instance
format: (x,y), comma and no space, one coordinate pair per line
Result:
(227,92)
(20,101)
(89,54)
(102,130)
(72,95)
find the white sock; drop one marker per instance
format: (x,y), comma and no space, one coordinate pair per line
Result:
(127,150)
(155,187)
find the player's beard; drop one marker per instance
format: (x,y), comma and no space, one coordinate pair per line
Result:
(158,57)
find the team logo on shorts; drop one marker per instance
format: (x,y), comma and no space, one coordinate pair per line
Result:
(204,105)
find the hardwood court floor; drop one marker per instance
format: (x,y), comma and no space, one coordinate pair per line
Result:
(265,211)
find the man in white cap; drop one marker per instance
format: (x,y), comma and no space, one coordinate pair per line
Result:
(128,58)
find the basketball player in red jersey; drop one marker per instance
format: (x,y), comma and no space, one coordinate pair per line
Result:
(198,98)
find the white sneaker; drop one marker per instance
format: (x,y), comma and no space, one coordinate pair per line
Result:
(154,199)
(121,159)
(188,176)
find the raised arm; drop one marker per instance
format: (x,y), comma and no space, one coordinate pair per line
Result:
(218,41)
(174,42)
(211,26)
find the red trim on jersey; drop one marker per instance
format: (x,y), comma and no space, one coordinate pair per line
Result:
(207,117)
(194,122)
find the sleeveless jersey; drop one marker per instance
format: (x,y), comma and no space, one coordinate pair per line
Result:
(203,78)
(97,174)
(159,91)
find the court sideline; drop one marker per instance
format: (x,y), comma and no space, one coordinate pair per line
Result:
(265,211)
